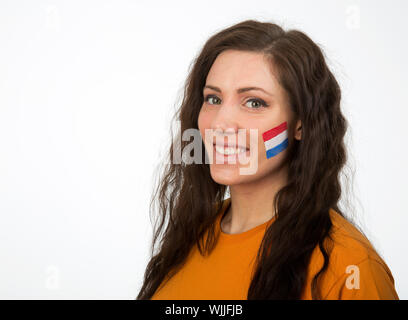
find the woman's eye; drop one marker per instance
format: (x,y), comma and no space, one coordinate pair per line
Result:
(258,103)
(208,97)
(254,103)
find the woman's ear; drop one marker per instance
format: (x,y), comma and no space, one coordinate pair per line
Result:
(298,130)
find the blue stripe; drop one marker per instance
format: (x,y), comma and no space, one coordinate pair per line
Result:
(280,147)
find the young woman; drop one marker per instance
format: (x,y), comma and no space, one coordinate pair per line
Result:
(280,234)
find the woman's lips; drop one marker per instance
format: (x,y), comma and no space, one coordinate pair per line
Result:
(229,158)
(230,146)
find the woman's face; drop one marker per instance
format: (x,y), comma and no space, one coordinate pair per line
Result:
(225,110)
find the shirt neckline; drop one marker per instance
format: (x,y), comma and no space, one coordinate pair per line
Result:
(235,237)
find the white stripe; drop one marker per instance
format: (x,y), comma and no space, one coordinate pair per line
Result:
(272,143)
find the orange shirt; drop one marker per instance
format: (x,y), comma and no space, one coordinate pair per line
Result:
(355,270)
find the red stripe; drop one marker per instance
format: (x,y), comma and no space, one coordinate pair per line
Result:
(267,135)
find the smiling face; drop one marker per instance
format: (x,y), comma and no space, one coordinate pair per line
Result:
(227,107)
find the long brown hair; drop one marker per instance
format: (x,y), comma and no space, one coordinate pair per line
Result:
(189,199)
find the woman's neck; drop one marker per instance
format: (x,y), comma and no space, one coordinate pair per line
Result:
(252,203)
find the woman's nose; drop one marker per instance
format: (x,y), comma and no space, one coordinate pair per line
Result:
(226,118)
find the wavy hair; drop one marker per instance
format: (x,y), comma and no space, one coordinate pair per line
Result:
(189,199)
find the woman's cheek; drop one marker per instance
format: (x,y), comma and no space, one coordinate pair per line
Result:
(275,140)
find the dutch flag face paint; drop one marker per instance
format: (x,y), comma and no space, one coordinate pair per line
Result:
(276,140)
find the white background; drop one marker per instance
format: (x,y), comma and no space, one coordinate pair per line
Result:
(87,89)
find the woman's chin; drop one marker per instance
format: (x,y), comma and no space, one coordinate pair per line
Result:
(226,174)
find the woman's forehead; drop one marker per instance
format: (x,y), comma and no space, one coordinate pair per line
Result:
(234,69)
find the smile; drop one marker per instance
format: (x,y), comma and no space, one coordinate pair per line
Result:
(227,151)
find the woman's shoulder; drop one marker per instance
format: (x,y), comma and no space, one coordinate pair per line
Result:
(348,247)
(350,244)
(353,260)
(352,250)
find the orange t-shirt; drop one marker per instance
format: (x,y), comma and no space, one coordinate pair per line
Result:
(355,270)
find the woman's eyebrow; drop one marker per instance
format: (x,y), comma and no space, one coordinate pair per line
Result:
(240,90)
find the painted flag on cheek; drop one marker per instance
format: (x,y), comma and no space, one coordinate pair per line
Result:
(276,140)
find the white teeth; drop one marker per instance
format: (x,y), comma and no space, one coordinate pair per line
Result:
(229,151)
